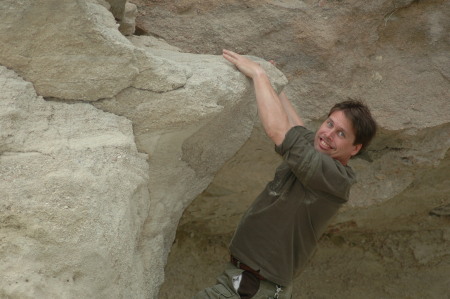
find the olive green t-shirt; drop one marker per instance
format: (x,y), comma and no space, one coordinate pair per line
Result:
(280,230)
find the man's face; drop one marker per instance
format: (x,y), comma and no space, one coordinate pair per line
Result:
(335,138)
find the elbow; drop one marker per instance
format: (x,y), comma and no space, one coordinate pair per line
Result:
(277,135)
(276,127)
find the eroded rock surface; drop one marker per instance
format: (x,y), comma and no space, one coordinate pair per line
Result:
(183,130)
(91,196)
(74,197)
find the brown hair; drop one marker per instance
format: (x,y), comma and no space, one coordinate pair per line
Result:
(363,123)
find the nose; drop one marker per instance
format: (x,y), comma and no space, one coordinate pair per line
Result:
(329,134)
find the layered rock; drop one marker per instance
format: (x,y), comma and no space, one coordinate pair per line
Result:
(91,199)
(189,133)
(74,198)
(70,50)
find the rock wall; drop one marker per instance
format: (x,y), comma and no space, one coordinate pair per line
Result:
(104,141)
(74,198)
(392,54)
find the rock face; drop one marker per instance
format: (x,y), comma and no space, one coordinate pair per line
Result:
(394,56)
(74,198)
(128,22)
(105,141)
(73,51)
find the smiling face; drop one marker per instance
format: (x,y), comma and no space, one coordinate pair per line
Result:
(335,138)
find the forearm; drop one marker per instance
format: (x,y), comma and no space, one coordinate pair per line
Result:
(294,118)
(273,115)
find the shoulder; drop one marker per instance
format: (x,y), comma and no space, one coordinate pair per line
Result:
(297,135)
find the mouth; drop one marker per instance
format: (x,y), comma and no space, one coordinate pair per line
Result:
(324,145)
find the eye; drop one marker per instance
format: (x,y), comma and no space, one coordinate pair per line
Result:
(329,124)
(341,134)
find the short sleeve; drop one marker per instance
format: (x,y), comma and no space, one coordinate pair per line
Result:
(314,169)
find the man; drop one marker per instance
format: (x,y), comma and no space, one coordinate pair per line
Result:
(280,230)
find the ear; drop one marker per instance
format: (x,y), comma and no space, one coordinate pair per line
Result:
(356,149)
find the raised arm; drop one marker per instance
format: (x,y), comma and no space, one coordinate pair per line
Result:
(271,109)
(294,118)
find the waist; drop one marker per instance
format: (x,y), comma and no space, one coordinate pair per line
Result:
(244,267)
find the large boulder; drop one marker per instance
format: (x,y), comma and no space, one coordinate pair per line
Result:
(70,49)
(188,132)
(73,199)
(91,196)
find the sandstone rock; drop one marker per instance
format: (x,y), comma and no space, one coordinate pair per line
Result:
(128,22)
(118,8)
(188,131)
(189,113)
(71,49)
(73,199)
